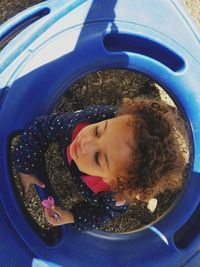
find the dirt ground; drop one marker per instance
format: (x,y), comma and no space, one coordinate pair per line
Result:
(109,89)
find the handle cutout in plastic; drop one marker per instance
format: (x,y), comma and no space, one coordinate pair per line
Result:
(20,25)
(185,235)
(118,42)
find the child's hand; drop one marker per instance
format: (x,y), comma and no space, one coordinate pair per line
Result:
(60,216)
(26,180)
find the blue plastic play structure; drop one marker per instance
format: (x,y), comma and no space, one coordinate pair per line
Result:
(52,45)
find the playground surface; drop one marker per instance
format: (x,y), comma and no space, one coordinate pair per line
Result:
(110,79)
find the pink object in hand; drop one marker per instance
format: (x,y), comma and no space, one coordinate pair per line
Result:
(48,203)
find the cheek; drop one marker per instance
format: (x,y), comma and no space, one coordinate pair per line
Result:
(83,163)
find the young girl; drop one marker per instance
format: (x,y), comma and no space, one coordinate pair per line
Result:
(114,157)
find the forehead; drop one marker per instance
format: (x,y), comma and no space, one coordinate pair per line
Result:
(120,136)
(121,126)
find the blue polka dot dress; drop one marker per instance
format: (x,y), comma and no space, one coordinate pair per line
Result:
(98,208)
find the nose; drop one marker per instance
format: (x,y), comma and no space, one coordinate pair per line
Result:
(88,145)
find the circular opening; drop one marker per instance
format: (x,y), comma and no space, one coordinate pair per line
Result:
(107,87)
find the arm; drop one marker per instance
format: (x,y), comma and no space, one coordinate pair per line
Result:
(29,152)
(88,217)
(84,216)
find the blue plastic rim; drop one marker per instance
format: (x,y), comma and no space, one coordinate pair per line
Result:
(59,42)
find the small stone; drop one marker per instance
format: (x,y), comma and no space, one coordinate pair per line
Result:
(152,204)
(137,197)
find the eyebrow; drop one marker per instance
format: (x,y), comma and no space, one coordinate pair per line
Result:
(106,158)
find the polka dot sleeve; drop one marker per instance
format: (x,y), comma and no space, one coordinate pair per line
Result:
(29,152)
(88,217)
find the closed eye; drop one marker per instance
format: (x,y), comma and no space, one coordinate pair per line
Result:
(96,157)
(97,134)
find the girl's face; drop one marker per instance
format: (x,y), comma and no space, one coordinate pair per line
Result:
(105,148)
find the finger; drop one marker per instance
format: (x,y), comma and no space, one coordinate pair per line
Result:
(57,210)
(26,187)
(51,214)
(24,183)
(39,183)
(50,219)
(25,191)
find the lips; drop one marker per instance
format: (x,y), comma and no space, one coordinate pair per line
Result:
(76,147)
(73,149)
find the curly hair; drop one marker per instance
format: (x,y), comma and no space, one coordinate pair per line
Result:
(160,156)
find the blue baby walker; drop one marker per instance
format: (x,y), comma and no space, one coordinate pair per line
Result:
(54,44)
